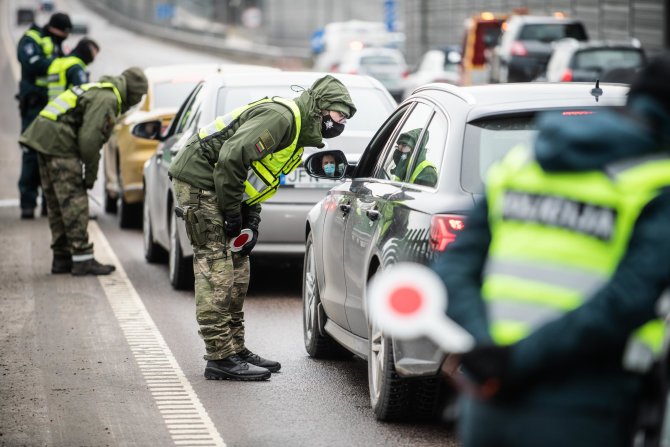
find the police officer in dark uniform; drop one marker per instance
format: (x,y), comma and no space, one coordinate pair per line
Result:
(36,50)
(559,276)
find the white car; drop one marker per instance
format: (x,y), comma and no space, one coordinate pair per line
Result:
(387,65)
(440,65)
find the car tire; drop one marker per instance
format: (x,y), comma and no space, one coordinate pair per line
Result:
(129,214)
(180,268)
(318,343)
(153,252)
(394,398)
(110,203)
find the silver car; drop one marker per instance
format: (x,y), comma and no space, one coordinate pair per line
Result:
(381,215)
(283,216)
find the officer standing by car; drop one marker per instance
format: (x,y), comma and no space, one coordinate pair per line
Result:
(68,135)
(559,276)
(219,179)
(68,71)
(36,50)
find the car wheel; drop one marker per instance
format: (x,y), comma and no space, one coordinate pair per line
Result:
(392,397)
(129,214)
(152,251)
(180,268)
(317,343)
(389,393)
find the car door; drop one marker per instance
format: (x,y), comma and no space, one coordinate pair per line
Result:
(336,209)
(371,208)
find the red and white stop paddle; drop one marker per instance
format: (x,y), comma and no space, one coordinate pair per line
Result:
(238,242)
(409,300)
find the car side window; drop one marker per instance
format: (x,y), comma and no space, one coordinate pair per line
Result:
(375,149)
(428,153)
(402,147)
(187,114)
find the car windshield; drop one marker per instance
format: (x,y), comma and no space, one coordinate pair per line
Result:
(549,32)
(367,118)
(607,58)
(171,94)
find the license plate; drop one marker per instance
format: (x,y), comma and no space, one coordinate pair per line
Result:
(300,179)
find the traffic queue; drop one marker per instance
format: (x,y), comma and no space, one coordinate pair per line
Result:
(538,208)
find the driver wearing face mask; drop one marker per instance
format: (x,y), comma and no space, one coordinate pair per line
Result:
(328,165)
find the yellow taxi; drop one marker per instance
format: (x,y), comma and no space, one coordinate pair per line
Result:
(130,145)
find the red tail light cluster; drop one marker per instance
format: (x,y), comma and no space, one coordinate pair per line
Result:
(443,230)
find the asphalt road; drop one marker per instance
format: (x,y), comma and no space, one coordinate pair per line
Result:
(72,374)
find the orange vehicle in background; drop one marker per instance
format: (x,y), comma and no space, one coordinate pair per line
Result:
(482,33)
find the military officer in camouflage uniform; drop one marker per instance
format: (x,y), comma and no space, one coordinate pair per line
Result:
(219,179)
(68,135)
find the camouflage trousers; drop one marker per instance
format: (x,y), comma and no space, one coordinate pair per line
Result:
(67,206)
(221,277)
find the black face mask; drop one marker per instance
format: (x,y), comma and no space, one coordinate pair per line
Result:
(329,128)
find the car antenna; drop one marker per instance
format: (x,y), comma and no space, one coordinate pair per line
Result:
(597,92)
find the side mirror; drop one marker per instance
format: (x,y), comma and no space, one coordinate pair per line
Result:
(150,130)
(331,164)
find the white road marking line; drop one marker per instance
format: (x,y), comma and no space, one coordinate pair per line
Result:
(135,320)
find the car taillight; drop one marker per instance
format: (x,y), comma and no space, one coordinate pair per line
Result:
(443,230)
(567,76)
(518,49)
(353,72)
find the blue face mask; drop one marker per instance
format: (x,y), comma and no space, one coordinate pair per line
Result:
(329,169)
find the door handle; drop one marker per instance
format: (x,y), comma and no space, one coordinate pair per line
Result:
(372,214)
(345,208)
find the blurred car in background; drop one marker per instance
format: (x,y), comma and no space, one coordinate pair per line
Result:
(440,65)
(46,5)
(126,151)
(481,34)
(575,61)
(333,40)
(283,215)
(378,217)
(387,65)
(527,43)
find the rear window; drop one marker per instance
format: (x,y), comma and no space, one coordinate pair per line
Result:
(373,106)
(171,94)
(607,58)
(549,32)
(487,140)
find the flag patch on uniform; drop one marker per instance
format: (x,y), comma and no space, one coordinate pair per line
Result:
(260,146)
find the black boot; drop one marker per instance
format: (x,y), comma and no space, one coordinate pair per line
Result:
(91,267)
(257,360)
(234,368)
(27,213)
(61,264)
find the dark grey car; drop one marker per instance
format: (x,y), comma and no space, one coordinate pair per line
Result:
(380,216)
(526,46)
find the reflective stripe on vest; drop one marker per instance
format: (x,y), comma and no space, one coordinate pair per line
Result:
(68,99)
(47,46)
(558,238)
(263,177)
(57,74)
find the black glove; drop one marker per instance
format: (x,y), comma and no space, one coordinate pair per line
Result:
(487,367)
(233,225)
(246,250)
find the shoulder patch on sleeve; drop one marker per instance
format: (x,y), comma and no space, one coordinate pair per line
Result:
(266,139)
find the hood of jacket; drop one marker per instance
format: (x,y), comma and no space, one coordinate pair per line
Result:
(324,93)
(589,142)
(120,84)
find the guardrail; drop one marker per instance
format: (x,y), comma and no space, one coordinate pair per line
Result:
(237,49)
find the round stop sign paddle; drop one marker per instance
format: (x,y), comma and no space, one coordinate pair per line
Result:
(238,242)
(409,300)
